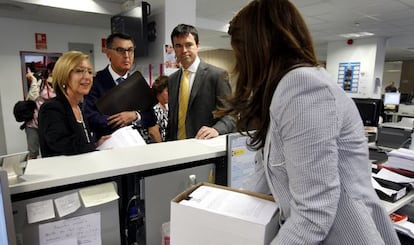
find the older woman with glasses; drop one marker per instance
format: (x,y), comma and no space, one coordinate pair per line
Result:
(62,129)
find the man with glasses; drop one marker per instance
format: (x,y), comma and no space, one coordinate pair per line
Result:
(195,91)
(120,52)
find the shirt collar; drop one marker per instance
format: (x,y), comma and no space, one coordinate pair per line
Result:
(193,67)
(116,75)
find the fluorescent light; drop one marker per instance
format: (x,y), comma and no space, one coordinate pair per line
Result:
(357,34)
(78,5)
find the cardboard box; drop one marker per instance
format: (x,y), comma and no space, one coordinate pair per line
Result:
(203,226)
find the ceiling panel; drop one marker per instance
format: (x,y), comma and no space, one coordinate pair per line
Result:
(326,19)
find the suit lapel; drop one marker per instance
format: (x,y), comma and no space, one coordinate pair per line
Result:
(198,82)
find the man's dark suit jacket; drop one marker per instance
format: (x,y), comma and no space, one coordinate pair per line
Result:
(59,132)
(210,84)
(102,83)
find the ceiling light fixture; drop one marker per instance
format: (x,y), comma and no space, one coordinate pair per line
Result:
(357,34)
(79,5)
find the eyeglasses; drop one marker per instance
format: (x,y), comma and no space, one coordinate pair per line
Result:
(83,71)
(121,51)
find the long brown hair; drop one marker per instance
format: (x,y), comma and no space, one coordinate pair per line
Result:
(269,38)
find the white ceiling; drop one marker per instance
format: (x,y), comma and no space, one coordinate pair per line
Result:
(327,19)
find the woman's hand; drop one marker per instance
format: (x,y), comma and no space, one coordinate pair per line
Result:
(102,139)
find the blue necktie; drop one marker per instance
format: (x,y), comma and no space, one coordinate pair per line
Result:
(120,80)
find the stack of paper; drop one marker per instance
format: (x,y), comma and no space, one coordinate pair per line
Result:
(401,158)
(123,137)
(391,186)
(233,204)
(406,228)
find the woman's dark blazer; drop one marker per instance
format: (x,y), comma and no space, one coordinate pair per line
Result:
(59,131)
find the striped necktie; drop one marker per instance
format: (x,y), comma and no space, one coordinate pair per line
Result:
(183,104)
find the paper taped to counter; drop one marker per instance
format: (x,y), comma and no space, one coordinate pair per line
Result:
(98,194)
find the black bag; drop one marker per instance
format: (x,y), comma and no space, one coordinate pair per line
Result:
(23,110)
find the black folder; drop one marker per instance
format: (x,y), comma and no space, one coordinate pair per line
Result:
(134,94)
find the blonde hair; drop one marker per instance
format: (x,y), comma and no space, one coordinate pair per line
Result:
(64,66)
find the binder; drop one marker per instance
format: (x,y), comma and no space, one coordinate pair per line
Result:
(134,94)
(400,188)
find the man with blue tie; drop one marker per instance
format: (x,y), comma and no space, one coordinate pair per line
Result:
(120,52)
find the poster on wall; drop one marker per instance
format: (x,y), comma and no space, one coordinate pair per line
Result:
(170,61)
(36,63)
(41,41)
(348,76)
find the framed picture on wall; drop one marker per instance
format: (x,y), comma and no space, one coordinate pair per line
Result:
(35,62)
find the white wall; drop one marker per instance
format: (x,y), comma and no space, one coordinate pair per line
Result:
(370,53)
(19,35)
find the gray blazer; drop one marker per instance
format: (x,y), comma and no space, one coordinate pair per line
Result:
(210,84)
(315,163)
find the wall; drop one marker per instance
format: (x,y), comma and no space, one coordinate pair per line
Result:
(19,35)
(407,77)
(221,58)
(392,72)
(370,53)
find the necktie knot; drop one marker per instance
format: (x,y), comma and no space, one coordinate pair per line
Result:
(120,79)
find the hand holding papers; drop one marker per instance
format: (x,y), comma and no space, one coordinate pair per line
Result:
(123,137)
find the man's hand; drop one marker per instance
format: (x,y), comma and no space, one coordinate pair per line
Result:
(206,133)
(122,119)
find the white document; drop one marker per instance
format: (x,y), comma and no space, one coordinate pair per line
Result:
(242,162)
(39,211)
(69,241)
(392,176)
(85,229)
(386,191)
(67,204)
(98,194)
(123,137)
(405,227)
(403,153)
(233,204)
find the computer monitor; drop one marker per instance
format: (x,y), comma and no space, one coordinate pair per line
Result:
(369,110)
(392,99)
(7,233)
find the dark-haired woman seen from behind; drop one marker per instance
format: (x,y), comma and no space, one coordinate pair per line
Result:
(314,153)
(62,129)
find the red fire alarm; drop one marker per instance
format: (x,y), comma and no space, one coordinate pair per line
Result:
(350,41)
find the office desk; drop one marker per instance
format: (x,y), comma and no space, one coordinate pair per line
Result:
(392,207)
(65,170)
(135,170)
(395,116)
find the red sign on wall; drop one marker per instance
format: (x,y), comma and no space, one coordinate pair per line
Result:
(103,44)
(41,42)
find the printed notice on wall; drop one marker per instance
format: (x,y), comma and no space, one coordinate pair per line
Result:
(85,230)
(348,76)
